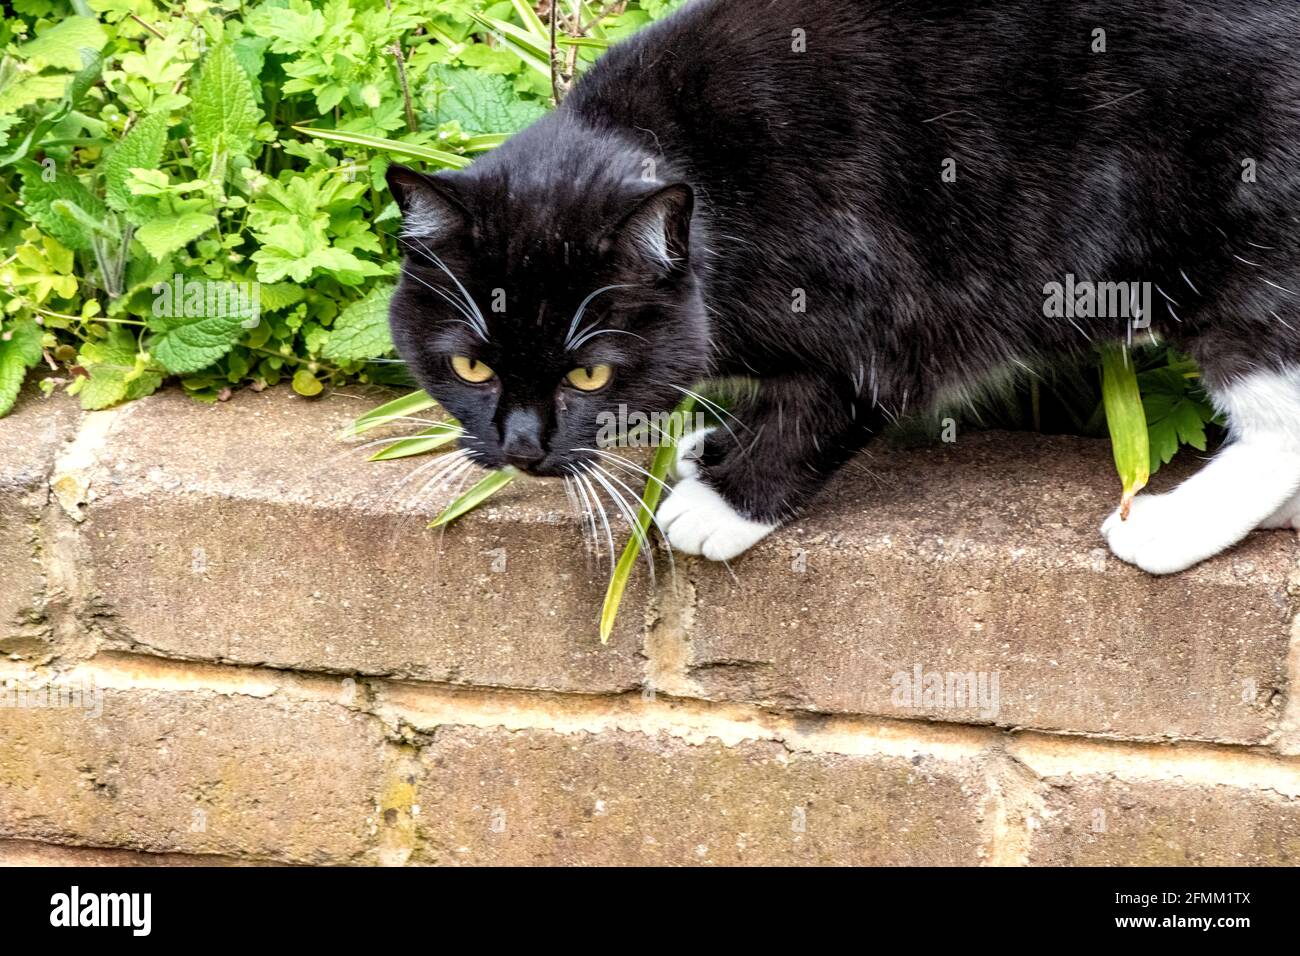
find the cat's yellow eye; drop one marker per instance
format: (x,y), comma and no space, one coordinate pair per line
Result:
(590,377)
(471,370)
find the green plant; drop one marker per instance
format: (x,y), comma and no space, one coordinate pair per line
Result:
(195,191)
(439,436)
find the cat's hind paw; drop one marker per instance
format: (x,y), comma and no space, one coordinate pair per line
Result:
(697,520)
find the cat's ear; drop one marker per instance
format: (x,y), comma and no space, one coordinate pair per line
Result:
(430,205)
(657,231)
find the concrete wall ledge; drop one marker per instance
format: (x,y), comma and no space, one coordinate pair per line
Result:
(292,668)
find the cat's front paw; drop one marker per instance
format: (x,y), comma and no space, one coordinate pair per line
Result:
(1288,516)
(697,520)
(1160,537)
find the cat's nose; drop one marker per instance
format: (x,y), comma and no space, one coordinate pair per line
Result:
(521,438)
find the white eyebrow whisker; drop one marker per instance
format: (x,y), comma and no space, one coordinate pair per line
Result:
(591,335)
(577,316)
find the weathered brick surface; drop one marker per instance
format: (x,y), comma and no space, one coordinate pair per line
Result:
(232,771)
(201,538)
(1139,809)
(492,796)
(247,533)
(985,557)
(30,438)
(32,853)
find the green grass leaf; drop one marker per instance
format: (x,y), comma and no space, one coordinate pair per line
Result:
(397,410)
(535,53)
(654,488)
(437,157)
(481,492)
(1125,418)
(426,441)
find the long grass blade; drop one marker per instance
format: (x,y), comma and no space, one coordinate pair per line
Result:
(389,412)
(1127,421)
(438,157)
(649,502)
(481,492)
(421,443)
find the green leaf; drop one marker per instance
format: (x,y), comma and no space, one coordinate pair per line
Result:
(361,331)
(396,410)
(414,151)
(480,102)
(654,488)
(186,344)
(142,148)
(1125,418)
(20,350)
(39,197)
(61,45)
(481,492)
(307,384)
(163,236)
(280,295)
(117,371)
(70,211)
(534,51)
(17,93)
(431,439)
(223,113)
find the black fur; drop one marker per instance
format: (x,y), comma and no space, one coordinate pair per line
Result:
(821,171)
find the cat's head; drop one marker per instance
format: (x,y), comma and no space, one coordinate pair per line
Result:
(528,308)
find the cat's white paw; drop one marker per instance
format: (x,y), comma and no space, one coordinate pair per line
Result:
(697,520)
(1288,516)
(1163,536)
(687,462)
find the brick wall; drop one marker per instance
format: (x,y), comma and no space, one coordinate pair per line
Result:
(276,661)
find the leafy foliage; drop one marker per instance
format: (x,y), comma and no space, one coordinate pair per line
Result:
(244,141)
(218,142)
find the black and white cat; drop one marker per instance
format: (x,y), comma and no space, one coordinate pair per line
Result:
(861,206)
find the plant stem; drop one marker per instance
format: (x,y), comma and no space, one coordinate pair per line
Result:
(411,125)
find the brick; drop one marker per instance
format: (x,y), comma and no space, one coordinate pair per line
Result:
(985,557)
(31,853)
(171,767)
(535,796)
(246,532)
(30,438)
(1121,809)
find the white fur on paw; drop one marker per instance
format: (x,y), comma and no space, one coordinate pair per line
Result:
(689,450)
(1160,537)
(1288,516)
(697,520)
